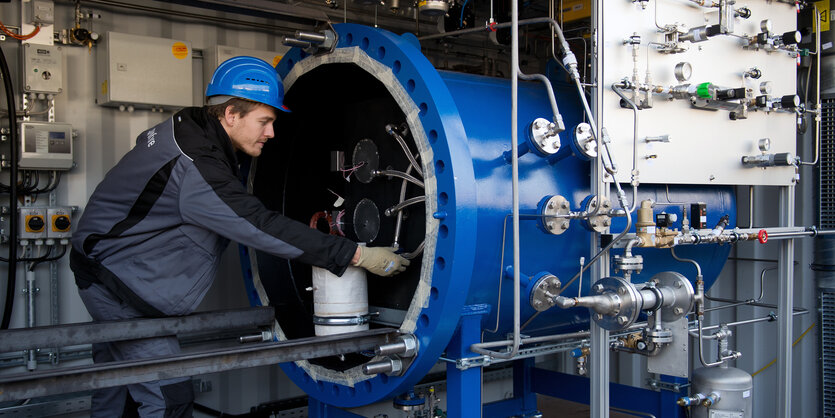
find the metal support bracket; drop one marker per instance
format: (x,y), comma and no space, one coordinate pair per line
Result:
(655,384)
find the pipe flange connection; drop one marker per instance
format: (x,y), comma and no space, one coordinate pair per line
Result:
(584,141)
(631,264)
(544,292)
(628,306)
(554,211)
(678,294)
(659,336)
(602,219)
(544,137)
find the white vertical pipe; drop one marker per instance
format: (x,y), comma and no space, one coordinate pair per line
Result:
(785,305)
(599,344)
(514,125)
(31,289)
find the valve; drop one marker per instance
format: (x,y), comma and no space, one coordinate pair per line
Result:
(782,159)
(762,236)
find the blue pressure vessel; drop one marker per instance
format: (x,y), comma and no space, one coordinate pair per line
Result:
(459,128)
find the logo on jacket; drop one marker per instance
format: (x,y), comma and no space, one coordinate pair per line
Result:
(151,134)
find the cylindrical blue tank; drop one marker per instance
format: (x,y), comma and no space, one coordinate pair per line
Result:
(460,127)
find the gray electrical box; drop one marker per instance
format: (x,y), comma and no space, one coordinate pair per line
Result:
(214,56)
(46,146)
(143,72)
(43,69)
(43,12)
(59,221)
(32,223)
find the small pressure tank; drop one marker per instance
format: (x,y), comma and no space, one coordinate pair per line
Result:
(733,387)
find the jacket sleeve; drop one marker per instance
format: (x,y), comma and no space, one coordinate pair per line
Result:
(212,197)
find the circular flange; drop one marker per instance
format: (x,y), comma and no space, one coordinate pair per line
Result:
(366,160)
(603,219)
(366,220)
(551,207)
(629,264)
(584,144)
(629,298)
(542,137)
(682,294)
(543,292)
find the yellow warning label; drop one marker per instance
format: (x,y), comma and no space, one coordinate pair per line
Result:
(180,50)
(823,9)
(276,59)
(104,88)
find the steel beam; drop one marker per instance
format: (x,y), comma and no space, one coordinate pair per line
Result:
(131,329)
(785,303)
(97,376)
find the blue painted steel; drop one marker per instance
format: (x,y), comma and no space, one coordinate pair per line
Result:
(467,122)
(464,386)
(576,388)
(318,409)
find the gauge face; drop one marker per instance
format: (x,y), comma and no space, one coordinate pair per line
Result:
(683,71)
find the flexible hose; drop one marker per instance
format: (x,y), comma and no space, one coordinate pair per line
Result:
(10,102)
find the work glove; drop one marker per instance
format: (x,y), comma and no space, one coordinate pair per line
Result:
(381,261)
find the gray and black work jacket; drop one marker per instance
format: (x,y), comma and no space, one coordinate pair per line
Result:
(155,227)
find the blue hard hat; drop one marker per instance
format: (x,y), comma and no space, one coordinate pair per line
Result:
(248,78)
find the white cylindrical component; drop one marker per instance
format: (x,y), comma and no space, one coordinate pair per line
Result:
(732,387)
(340,297)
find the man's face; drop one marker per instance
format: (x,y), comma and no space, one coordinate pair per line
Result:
(250,132)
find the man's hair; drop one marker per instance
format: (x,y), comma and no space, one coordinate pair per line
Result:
(239,106)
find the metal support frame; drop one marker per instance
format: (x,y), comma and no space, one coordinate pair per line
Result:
(785,304)
(523,402)
(96,332)
(464,386)
(97,376)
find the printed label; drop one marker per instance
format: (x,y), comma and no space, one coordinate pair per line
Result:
(823,9)
(180,50)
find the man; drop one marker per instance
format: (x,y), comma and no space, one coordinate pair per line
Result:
(150,239)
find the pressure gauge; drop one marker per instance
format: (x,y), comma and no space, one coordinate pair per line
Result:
(764,144)
(683,71)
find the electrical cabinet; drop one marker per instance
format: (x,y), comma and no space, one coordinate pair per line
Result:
(143,72)
(46,146)
(43,69)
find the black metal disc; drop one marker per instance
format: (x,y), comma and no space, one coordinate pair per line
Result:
(367,159)
(366,221)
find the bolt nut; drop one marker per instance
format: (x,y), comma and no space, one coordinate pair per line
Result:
(598,288)
(621,290)
(622,320)
(598,317)
(678,310)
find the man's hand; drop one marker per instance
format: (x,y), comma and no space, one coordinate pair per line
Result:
(381,261)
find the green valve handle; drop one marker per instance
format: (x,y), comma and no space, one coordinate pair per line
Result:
(703,90)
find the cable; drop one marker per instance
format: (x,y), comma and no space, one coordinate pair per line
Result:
(19,37)
(47,258)
(12,275)
(793,344)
